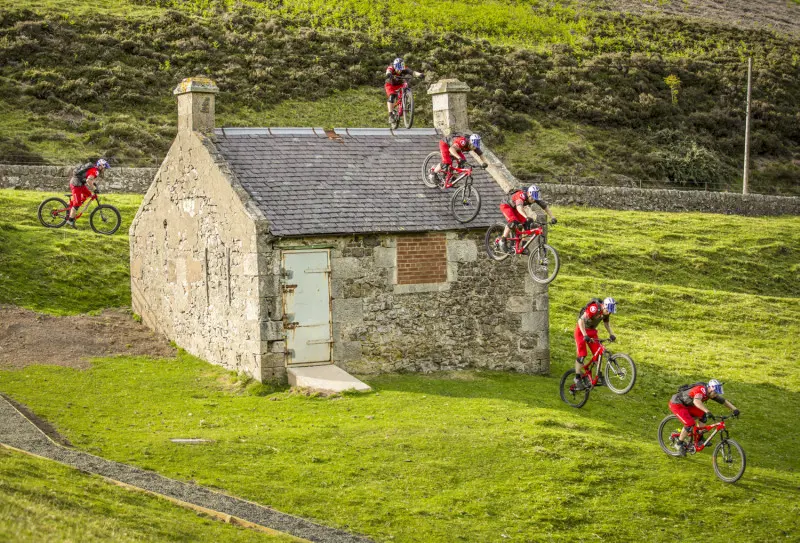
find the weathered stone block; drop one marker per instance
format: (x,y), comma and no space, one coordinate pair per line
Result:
(250,264)
(462,250)
(346,350)
(519,304)
(346,268)
(348,311)
(385,257)
(272,330)
(534,321)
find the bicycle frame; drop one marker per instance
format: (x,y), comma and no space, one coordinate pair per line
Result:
(400,95)
(464,173)
(521,243)
(717,427)
(597,359)
(81,209)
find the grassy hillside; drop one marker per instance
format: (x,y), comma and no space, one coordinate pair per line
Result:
(42,269)
(64,271)
(44,501)
(488,456)
(472,456)
(561,89)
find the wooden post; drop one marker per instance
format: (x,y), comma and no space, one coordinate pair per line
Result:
(747,127)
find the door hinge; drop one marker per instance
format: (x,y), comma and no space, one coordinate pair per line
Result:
(289,288)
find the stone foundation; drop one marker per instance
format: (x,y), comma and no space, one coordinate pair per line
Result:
(485,315)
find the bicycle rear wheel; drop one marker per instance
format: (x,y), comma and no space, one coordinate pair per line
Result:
(105,219)
(465,203)
(729,460)
(570,396)
(408,108)
(620,373)
(53,213)
(493,248)
(428,164)
(543,264)
(668,432)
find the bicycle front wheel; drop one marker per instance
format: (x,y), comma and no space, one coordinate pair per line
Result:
(53,213)
(543,264)
(105,219)
(620,373)
(465,203)
(668,432)
(569,394)
(428,164)
(493,248)
(408,108)
(729,461)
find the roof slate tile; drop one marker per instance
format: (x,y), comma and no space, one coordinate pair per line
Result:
(312,185)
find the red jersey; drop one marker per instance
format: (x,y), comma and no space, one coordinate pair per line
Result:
(593,314)
(462,143)
(687,396)
(92,172)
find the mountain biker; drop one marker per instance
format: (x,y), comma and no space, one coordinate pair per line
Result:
(512,208)
(82,176)
(586,330)
(688,405)
(455,150)
(394,81)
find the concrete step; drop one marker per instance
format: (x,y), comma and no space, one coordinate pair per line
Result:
(327,378)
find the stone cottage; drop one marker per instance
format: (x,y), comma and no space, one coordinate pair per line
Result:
(269,250)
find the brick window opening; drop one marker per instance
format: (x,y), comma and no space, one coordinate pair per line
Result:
(421,259)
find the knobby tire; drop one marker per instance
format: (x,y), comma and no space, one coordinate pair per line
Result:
(45,212)
(576,399)
(102,215)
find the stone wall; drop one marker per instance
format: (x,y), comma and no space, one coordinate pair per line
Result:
(137,180)
(485,315)
(56,178)
(195,273)
(728,203)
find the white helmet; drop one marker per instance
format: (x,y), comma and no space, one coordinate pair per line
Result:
(533,192)
(475,141)
(715,385)
(610,304)
(398,64)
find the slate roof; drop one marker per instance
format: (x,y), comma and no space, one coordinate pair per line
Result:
(361,181)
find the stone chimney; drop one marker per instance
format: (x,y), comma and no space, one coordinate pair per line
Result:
(196,104)
(450,106)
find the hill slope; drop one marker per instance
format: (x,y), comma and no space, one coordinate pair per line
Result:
(481,456)
(561,89)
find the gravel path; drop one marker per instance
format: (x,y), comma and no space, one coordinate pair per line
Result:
(19,432)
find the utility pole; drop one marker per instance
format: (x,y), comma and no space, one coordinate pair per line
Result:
(747,127)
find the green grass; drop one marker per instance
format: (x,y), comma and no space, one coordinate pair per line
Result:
(572,89)
(501,21)
(62,271)
(42,269)
(488,456)
(41,500)
(361,107)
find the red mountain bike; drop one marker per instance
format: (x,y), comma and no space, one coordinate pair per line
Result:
(466,202)
(728,457)
(404,109)
(104,219)
(543,262)
(619,373)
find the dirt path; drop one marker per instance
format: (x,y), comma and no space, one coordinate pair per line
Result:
(27,337)
(17,431)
